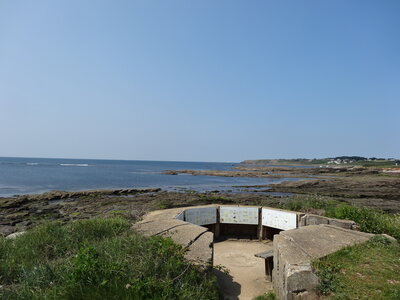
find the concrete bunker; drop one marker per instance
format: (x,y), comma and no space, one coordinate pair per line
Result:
(297,239)
(242,221)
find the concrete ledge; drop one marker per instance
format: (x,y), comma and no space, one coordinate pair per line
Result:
(157,227)
(162,214)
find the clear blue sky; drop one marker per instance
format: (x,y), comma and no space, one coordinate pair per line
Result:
(199,80)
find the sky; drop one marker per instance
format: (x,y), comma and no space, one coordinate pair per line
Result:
(199,80)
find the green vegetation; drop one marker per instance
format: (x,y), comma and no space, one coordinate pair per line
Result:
(365,271)
(164,204)
(268,296)
(97,259)
(379,163)
(369,220)
(214,198)
(309,203)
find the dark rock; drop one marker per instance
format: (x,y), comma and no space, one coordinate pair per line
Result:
(6,230)
(170,172)
(24,223)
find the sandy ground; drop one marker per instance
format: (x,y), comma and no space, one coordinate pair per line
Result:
(246,278)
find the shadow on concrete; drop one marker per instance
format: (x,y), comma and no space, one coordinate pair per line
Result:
(228,288)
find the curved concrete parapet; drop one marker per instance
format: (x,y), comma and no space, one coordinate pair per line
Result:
(197,240)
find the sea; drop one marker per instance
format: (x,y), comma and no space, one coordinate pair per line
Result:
(19,176)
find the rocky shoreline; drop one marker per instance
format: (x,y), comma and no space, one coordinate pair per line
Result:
(372,187)
(360,186)
(280,172)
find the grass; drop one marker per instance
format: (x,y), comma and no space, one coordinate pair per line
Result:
(268,296)
(365,271)
(368,219)
(97,259)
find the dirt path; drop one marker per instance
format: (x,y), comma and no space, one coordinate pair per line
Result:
(246,278)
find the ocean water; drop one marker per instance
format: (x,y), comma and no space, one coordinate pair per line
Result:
(20,176)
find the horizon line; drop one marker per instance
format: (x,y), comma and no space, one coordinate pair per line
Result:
(39,157)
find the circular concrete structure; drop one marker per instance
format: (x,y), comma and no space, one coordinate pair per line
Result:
(298,239)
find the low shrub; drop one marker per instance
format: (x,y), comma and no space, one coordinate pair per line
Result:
(369,220)
(305,204)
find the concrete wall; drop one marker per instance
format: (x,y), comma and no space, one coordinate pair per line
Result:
(310,219)
(248,215)
(280,219)
(264,217)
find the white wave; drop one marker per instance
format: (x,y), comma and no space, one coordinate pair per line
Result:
(32,164)
(74,165)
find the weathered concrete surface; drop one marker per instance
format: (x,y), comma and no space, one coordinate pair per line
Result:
(201,251)
(162,214)
(185,235)
(157,227)
(346,224)
(321,240)
(197,241)
(315,220)
(294,251)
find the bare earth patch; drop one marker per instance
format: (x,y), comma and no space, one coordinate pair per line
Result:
(246,278)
